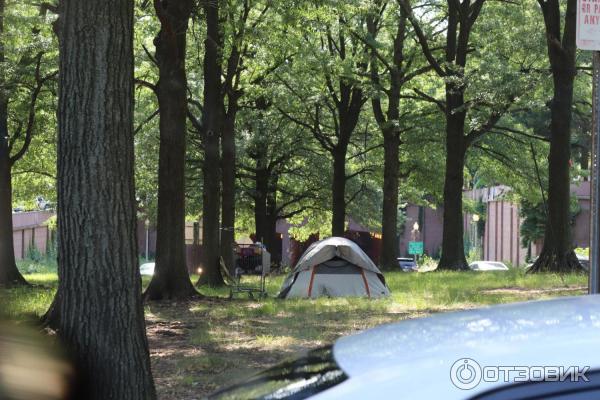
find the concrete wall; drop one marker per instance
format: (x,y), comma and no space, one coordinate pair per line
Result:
(283,228)
(581,229)
(430,229)
(502,235)
(502,238)
(29,230)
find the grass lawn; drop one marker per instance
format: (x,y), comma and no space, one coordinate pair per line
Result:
(199,346)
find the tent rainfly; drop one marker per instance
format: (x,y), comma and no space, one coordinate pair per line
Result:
(334,267)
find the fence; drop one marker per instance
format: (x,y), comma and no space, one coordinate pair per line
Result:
(193,239)
(30,231)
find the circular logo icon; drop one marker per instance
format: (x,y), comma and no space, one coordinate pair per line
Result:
(465,374)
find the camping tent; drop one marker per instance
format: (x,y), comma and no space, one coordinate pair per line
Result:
(334,267)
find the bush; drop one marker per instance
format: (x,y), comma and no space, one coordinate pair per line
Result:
(34,254)
(427,263)
(583,251)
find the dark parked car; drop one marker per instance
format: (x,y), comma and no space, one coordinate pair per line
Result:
(407,264)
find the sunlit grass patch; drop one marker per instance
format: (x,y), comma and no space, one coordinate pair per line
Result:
(25,303)
(274,341)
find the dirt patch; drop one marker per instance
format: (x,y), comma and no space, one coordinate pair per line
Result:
(193,353)
(198,347)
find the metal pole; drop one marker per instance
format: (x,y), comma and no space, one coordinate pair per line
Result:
(594,276)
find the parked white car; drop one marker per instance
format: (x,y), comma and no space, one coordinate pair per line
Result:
(147,269)
(546,349)
(488,266)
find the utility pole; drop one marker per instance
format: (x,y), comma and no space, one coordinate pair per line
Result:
(588,38)
(594,277)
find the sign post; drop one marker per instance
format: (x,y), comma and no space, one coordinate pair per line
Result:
(594,278)
(588,38)
(415,248)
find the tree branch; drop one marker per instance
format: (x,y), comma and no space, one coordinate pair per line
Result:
(40,82)
(423,41)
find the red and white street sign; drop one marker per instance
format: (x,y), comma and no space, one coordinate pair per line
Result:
(588,24)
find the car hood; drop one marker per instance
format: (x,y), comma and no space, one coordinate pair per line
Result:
(414,353)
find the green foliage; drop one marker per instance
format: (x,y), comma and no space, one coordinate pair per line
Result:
(585,252)
(34,254)
(28,34)
(287,64)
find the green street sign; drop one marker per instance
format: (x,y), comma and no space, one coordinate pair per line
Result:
(415,248)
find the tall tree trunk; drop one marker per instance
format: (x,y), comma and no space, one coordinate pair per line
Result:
(9,274)
(228,168)
(261,177)
(171,279)
(453,252)
(389,223)
(271,220)
(211,122)
(101,317)
(557,254)
(272,242)
(338,192)
(389,125)
(461,18)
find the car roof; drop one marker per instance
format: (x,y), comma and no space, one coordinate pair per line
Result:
(414,353)
(491,265)
(147,265)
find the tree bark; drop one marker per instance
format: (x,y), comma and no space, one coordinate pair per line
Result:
(211,123)
(261,177)
(171,279)
(338,191)
(557,254)
(453,252)
(9,274)
(271,219)
(389,222)
(101,317)
(228,169)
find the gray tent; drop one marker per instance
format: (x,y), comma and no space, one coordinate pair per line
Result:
(334,267)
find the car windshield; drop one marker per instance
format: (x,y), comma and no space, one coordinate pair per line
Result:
(298,379)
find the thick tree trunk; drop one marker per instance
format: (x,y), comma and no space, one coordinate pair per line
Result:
(453,252)
(338,192)
(101,317)
(171,279)
(557,254)
(9,274)
(228,168)
(389,222)
(211,122)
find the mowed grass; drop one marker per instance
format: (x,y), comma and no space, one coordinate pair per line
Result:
(200,345)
